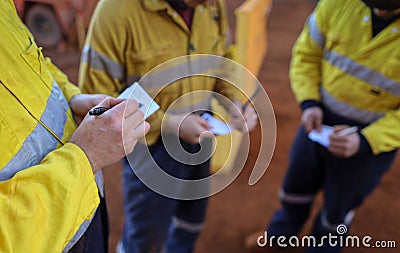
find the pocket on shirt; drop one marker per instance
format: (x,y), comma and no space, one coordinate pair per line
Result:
(33,56)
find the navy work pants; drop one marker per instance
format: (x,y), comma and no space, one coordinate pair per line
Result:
(345,183)
(95,239)
(154,222)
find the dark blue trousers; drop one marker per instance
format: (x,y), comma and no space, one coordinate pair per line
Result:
(95,239)
(345,184)
(154,222)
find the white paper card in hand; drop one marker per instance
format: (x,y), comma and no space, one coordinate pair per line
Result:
(136,92)
(321,137)
(218,127)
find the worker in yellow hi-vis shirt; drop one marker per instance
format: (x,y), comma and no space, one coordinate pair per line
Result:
(49,199)
(345,75)
(128,38)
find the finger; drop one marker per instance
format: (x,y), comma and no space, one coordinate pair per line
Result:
(141,130)
(204,123)
(132,135)
(133,120)
(307,124)
(338,128)
(131,107)
(339,152)
(318,123)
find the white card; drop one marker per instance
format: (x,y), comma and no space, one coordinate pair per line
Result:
(218,127)
(321,137)
(136,92)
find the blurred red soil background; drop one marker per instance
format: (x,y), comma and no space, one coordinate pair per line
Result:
(241,209)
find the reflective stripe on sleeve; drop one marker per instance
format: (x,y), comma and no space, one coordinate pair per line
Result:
(348,111)
(363,73)
(103,63)
(314,31)
(40,141)
(82,229)
(295,198)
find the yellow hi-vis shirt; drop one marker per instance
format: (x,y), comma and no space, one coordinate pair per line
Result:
(127,38)
(47,187)
(337,62)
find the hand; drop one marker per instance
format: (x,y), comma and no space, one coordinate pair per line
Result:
(104,137)
(243,120)
(312,118)
(189,127)
(81,103)
(344,146)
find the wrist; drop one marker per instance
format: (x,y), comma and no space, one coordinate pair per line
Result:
(309,103)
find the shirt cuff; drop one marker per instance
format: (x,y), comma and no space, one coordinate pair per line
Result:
(309,103)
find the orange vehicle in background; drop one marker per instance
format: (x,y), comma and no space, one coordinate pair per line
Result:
(55,21)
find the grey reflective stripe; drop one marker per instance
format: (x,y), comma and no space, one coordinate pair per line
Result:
(102,63)
(333,227)
(100,182)
(132,78)
(187,226)
(82,229)
(203,105)
(295,198)
(314,31)
(348,111)
(193,65)
(40,142)
(363,73)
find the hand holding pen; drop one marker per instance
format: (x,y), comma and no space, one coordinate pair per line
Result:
(244,116)
(345,141)
(106,139)
(96,111)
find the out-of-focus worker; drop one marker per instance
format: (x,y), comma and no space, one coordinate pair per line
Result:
(125,40)
(344,72)
(49,200)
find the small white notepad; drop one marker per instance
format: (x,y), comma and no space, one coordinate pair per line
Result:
(136,92)
(321,137)
(218,127)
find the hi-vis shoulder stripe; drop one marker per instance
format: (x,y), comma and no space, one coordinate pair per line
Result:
(103,63)
(363,73)
(348,111)
(314,31)
(40,142)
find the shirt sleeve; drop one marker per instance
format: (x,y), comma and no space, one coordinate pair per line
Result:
(43,206)
(305,65)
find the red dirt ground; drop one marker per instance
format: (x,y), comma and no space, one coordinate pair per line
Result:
(241,209)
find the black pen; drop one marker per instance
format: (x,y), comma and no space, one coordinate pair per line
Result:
(101,109)
(252,97)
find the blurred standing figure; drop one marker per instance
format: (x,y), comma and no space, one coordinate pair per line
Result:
(126,39)
(49,199)
(344,72)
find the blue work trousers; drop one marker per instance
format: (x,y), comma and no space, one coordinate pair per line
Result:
(345,183)
(154,222)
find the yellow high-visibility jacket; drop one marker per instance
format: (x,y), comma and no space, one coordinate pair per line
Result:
(127,38)
(337,62)
(47,187)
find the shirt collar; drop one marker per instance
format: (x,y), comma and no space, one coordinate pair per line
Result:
(155,5)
